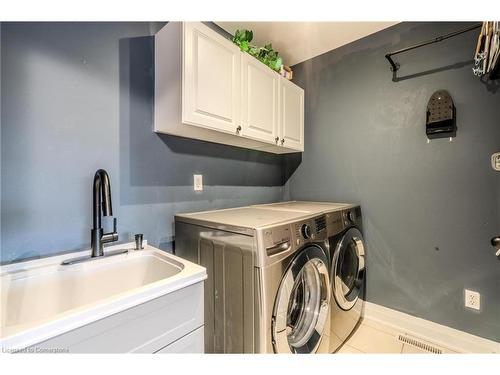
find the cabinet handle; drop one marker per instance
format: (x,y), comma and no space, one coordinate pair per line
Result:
(282,141)
(238,129)
(276,139)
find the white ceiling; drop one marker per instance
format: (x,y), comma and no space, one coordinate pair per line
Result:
(300,41)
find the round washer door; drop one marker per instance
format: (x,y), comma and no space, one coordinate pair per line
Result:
(301,306)
(348,269)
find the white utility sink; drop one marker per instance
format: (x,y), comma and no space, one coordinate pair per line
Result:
(41,299)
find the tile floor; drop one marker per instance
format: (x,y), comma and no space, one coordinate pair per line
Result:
(374,337)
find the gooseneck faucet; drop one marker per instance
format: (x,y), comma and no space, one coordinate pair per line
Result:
(101,202)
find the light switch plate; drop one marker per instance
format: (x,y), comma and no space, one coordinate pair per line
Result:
(495,161)
(198,182)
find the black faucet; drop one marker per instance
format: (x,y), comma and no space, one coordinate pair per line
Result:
(102,201)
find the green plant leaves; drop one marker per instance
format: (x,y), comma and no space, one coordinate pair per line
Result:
(243,38)
(244,46)
(248,35)
(278,63)
(266,54)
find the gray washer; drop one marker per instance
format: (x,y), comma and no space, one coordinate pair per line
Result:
(268,286)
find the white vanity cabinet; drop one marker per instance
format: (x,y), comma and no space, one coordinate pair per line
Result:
(207,89)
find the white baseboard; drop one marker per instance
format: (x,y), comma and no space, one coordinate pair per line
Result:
(444,336)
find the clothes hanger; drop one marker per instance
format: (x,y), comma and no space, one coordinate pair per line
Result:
(495,66)
(480,56)
(493,46)
(479,41)
(487,41)
(487,56)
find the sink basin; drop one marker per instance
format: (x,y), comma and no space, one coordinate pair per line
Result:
(42,298)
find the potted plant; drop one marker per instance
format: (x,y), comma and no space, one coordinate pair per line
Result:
(266,54)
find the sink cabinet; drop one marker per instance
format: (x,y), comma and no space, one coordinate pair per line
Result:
(207,89)
(168,324)
(137,301)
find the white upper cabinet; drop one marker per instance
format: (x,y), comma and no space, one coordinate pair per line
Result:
(259,100)
(211,80)
(207,89)
(291,115)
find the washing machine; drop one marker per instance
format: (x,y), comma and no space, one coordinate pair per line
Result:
(347,265)
(268,286)
(347,274)
(306,207)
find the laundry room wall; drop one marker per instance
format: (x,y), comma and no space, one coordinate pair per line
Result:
(429,209)
(77,97)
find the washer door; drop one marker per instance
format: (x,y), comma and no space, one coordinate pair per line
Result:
(348,268)
(301,306)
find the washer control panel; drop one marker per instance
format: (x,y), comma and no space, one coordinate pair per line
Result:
(311,229)
(334,223)
(277,240)
(351,216)
(306,231)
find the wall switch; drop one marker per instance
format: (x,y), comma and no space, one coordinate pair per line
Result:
(472,299)
(198,182)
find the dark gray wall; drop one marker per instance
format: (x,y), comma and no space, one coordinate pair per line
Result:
(429,210)
(79,96)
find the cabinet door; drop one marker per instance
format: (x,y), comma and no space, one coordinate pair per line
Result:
(211,79)
(291,115)
(259,100)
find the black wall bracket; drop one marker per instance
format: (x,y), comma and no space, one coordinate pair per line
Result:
(395,65)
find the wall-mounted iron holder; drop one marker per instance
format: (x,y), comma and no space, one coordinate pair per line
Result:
(395,65)
(441,116)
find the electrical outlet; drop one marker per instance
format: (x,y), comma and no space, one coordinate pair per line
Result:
(472,299)
(198,182)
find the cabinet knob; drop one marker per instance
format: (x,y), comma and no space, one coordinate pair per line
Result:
(276,139)
(238,129)
(282,141)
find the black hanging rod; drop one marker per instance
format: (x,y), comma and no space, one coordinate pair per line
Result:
(395,65)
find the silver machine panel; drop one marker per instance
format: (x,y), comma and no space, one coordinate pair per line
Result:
(348,278)
(229,287)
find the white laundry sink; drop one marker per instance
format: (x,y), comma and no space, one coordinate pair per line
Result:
(41,299)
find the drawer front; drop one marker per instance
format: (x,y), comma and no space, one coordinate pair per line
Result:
(141,329)
(191,343)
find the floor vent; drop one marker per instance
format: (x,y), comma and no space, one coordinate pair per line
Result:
(405,339)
